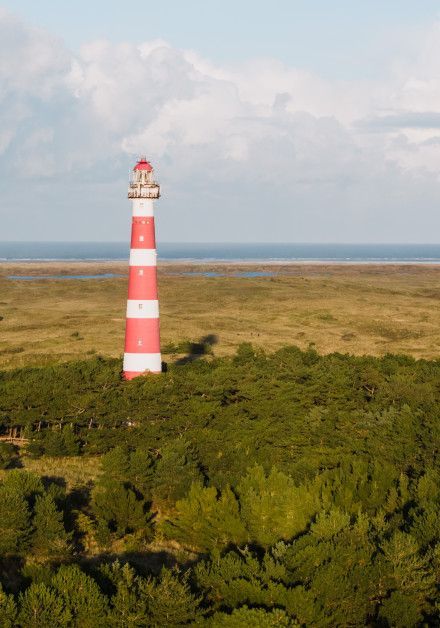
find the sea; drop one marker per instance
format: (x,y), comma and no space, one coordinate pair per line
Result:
(226,252)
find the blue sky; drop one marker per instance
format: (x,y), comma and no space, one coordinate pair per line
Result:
(285,121)
(344,38)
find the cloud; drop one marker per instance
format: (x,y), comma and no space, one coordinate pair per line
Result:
(401,120)
(256,150)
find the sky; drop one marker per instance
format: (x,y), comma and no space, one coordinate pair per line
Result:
(289,121)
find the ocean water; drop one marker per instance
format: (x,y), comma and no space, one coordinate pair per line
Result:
(39,277)
(206,252)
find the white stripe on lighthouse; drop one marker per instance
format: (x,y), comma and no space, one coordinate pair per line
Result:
(143,257)
(142,309)
(143,207)
(140,362)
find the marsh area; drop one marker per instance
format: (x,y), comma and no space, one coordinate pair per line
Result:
(359,309)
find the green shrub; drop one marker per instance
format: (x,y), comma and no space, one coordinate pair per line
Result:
(50,537)
(8,455)
(41,606)
(118,511)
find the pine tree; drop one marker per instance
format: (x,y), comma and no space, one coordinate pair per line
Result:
(335,561)
(207,519)
(8,609)
(83,599)
(8,454)
(15,521)
(129,609)
(118,510)
(141,471)
(242,577)
(170,601)
(71,441)
(400,610)
(116,463)
(408,571)
(41,606)
(163,601)
(176,470)
(245,617)
(50,537)
(24,483)
(54,444)
(272,507)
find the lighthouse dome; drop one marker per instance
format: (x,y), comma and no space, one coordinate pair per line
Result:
(143,164)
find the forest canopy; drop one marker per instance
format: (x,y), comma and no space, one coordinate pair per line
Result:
(257,490)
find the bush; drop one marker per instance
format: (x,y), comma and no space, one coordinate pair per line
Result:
(294,488)
(263,510)
(55,443)
(118,511)
(8,455)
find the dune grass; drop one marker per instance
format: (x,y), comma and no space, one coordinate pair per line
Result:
(354,309)
(74,470)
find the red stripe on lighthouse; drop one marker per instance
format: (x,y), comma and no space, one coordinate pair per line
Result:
(142,335)
(142,282)
(142,234)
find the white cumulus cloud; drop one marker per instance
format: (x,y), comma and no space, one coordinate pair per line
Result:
(275,151)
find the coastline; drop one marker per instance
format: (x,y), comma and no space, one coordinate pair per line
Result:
(121,266)
(117,271)
(347,308)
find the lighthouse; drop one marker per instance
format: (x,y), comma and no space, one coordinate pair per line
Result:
(142,342)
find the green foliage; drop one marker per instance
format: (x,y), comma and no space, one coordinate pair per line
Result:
(8,609)
(243,578)
(118,511)
(297,411)
(295,489)
(164,601)
(273,508)
(170,601)
(336,562)
(50,538)
(265,509)
(55,443)
(40,607)
(82,597)
(15,521)
(116,463)
(134,466)
(409,572)
(29,517)
(8,455)
(206,520)
(400,610)
(176,470)
(129,606)
(26,484)
(245,617)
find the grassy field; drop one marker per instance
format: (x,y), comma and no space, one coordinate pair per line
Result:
(76,471)
(354,309)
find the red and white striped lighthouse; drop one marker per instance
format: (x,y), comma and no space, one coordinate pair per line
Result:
(142,342)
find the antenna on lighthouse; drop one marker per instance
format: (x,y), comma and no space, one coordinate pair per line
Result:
(142,340)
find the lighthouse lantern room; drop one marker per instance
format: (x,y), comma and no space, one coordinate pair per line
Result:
(142,342)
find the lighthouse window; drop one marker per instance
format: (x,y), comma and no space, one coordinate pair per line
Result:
(141,306)
(141,238)
(141,271)
(139,342)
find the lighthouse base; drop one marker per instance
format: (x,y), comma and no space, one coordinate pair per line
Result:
(136,364)
(128,375)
